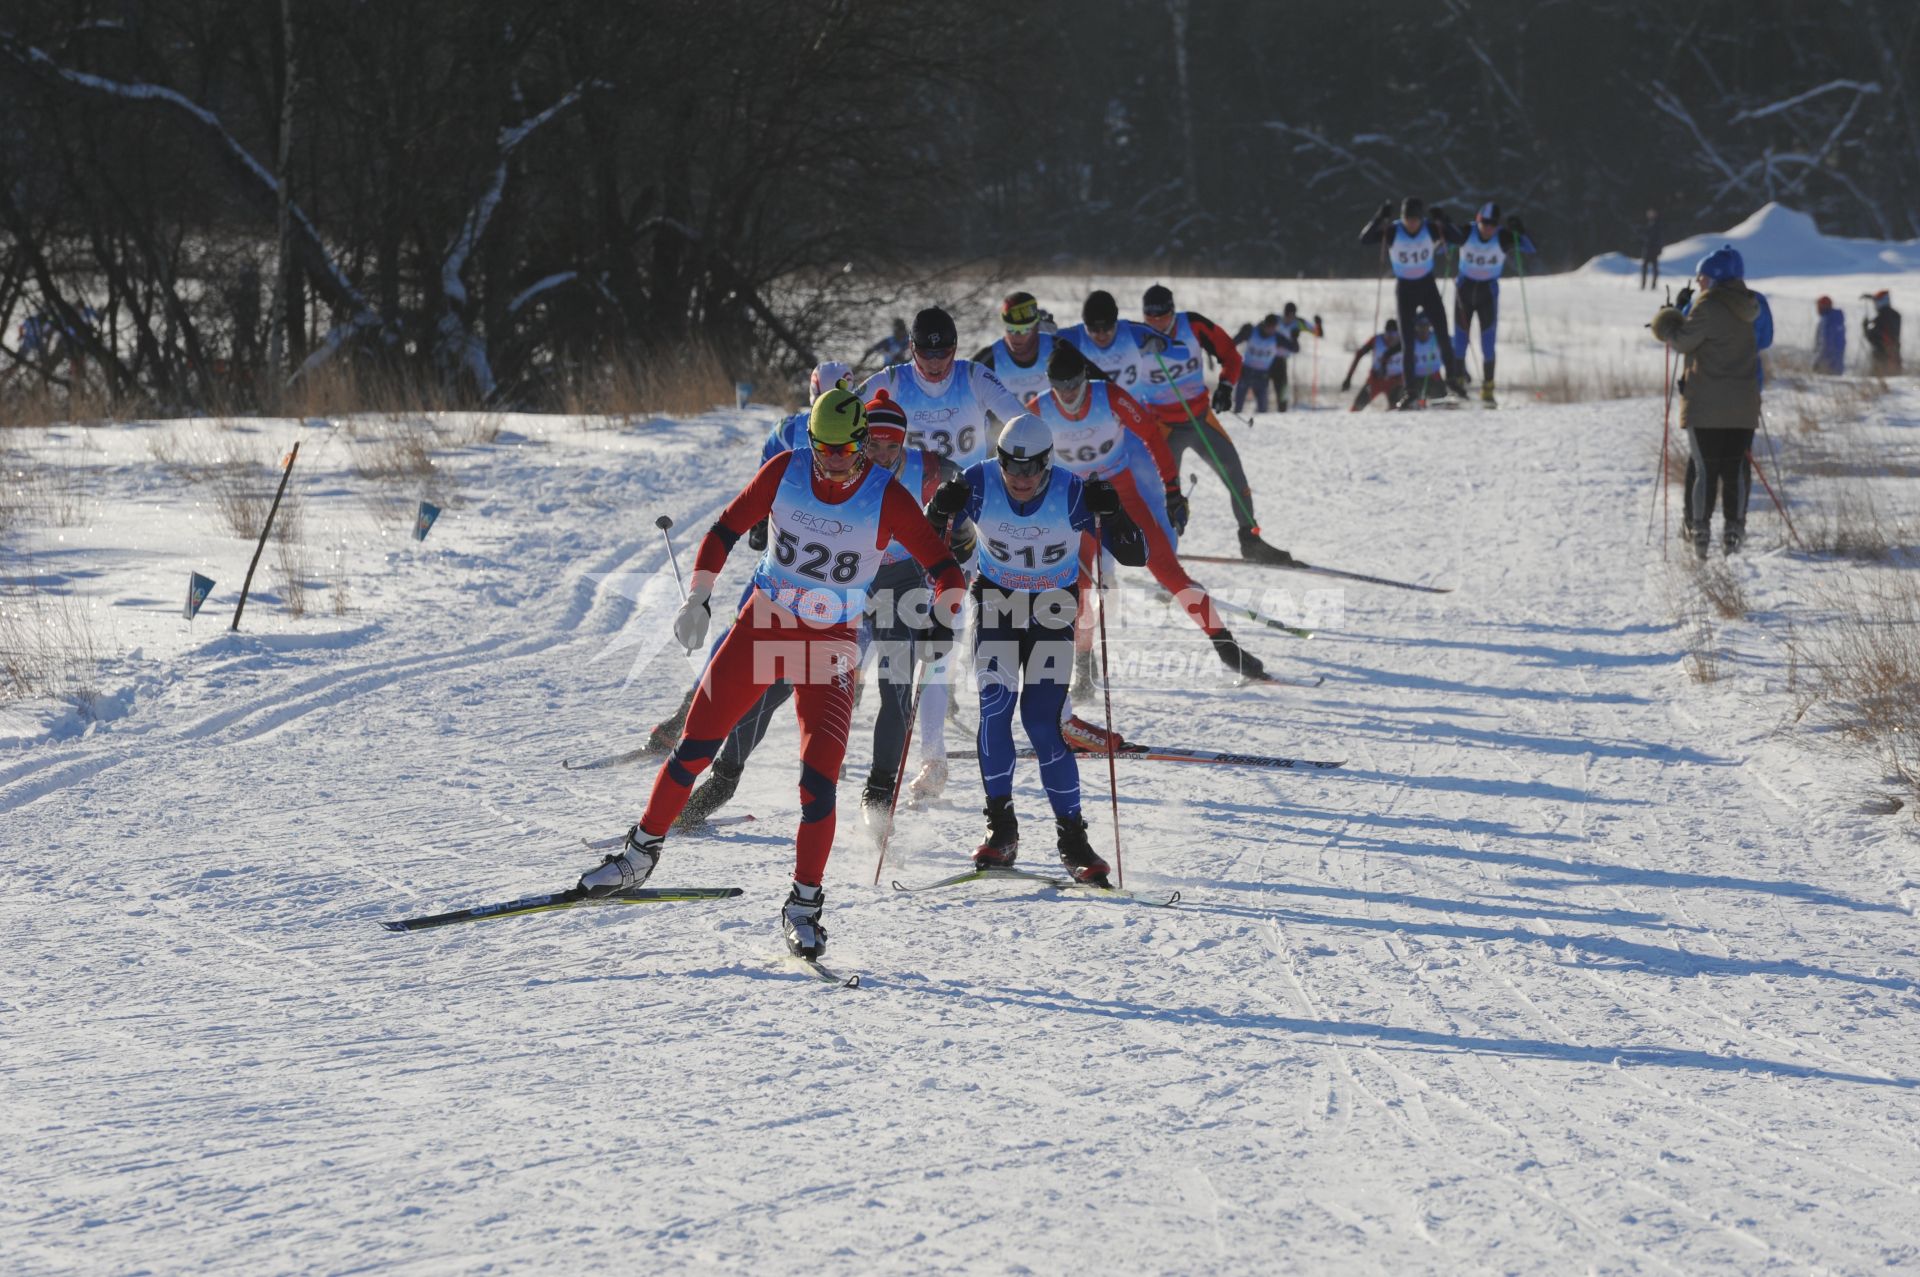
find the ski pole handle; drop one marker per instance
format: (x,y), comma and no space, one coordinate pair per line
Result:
(665,524)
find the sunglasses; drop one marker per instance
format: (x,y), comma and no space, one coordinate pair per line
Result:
(1154,312)
(846,449)
(1026,467)
(933,356)
(1101,328)
(1020,330)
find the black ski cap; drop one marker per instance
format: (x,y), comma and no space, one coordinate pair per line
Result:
(1268,319)
(933,331)
(1157,300)
(1066,363)
(1412,206)
(1290,309)
(1100,308)
(1393,325)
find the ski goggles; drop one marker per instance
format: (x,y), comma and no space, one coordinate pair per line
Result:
(1157,310)
(846,449)
(1102,326)
(1024,467)
(1071,388)
(933,356)
(1020,330)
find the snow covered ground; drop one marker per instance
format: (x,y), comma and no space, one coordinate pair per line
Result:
(1579,964)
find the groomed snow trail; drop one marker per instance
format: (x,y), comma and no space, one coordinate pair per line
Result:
(1574,967)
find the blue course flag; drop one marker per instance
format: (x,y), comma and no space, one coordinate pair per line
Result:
(198,587)
(424,520)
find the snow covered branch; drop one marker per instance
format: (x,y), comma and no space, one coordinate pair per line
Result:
(1860,88)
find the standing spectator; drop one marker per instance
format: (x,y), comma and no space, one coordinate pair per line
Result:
(1720,392)
(1650,245)
(1829,338)
(1883,336)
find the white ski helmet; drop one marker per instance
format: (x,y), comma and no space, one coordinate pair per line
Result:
(1026,445)
(826,375)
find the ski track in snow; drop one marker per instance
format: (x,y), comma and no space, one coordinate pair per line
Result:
(1575,966)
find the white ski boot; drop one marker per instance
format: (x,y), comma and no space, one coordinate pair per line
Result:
(930,783)
(800,921)
(629,868)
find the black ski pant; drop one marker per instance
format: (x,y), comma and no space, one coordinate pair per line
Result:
(892,639)
(1717,471)
(1476,299)
(1413,296)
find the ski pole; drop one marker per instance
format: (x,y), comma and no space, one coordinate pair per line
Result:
(1660,481)
(1520,265)
(1777,504)
(1201,430)
(664,524)
(1106,690)
(900,769)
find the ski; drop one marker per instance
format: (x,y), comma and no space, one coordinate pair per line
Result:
(822,972)
(1250,613)
(571,898)
(612,760)
(1176,754)
(1152,899)
(620,840)
(1297,566)
(1280,680)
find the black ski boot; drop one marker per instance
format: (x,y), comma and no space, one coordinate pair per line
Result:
(1254,550)
(1002,846)
(714,793)
(1458,385)
(666,735)
(1077,854)
(1732,537)
(1236,658)
(800,921)
(876,809)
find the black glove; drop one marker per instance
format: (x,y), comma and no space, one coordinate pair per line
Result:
(1347,384)
(1223,396)
(1386,212)
(1102,501)
(1686,296)
(1515,225)
(1319,329)
(757,536)
(950,498)
(961,539)
(1439,215)
(1177,508)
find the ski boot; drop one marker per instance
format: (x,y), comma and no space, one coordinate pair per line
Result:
(1085,738)
(800,921)
(876,811)
(930,783)
(1458,385)
(714,793)
(1254,550)
(1236,658)
(1002,846)
(627,869)
(1486,393)
(1077,854)
(1732,537)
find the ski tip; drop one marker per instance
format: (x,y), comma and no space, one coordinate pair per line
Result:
(395,926)
(851,982)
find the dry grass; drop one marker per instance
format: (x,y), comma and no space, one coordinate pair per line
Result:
(26,400)
(1847,522)
(676,381)
(1703,654)
(1721,589)
(47,646)
(398,448)
(1561,384)
(346,387)
(1863,667)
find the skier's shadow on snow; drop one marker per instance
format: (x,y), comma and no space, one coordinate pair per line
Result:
(1536,654)
(1588,873)
(1477,737)
(1368,676)
(1237,813)
(1518,908)
(1391,1037)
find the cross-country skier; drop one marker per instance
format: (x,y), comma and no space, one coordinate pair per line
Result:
(1384,375)
(1883,336)
(1120,350)
(1019,359)
(1476,292)
(787,435)
(1101,434)
(1262,342)
(892,348)
(885,630)
(1829,338)
(1177,394)
(1720,392)
(1030,515)
(1291,326)
(954,408)
(833,515)
(1413,244)
(1423,380)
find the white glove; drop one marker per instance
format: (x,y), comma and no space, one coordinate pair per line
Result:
(690,622)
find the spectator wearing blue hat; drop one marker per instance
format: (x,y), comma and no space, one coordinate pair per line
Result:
(1719,391)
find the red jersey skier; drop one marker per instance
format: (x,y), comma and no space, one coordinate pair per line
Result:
(833,515)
